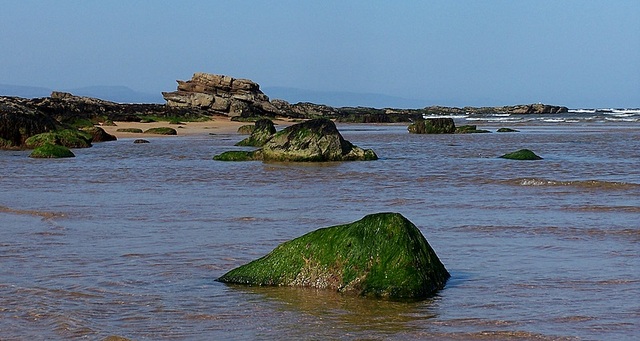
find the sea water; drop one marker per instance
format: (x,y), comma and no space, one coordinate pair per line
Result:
(128,239)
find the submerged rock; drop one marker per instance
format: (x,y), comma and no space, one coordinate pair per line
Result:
(381,255)
(50,151)
(469,129)
(440,125)
(507,130)
(137,141)
(263,130)
(522,154)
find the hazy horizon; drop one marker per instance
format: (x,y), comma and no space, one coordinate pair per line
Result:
(464,53)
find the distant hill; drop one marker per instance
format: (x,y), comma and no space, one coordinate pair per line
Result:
(342,99)
(119,94)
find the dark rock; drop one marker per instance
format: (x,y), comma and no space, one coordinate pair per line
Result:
(469,129)
(262,132)
(140,141)
(18,122)
(161,131)
(440,125)
(506,130)
(238,155)
(313,140)
(522,154)
(382,255)
(98,134)
(49,151)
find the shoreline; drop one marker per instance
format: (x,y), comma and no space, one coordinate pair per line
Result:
(217,125)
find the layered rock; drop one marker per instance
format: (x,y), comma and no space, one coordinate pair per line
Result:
(381,255)
(221,94)
(18,122)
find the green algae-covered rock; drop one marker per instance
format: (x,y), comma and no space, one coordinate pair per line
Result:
(440,125)
(70,138)
(262,132)
(129,130)
(522,154)
(161,131)
(237,155)
(246,129)
(315,140)
(381,255)
(470,129)
(49,150)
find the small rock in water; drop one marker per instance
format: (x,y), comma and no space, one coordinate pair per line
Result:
(140,141)
(522,154)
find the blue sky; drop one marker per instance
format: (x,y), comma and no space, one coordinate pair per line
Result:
(578,53)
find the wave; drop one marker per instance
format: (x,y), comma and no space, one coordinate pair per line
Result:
(581,184)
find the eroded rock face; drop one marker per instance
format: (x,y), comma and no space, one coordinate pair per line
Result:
(18,122)
(221,94)
(381,255)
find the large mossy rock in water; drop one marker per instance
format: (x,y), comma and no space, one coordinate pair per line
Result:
(522,154)
(440,125)
(263,130)
(381,255)
(19,122)
(313,140)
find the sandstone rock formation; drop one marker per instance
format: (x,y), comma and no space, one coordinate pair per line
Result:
(382,255)
(221,94)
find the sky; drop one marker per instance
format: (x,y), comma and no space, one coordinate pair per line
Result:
(578,53)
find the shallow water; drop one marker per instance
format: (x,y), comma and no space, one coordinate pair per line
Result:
(127,239)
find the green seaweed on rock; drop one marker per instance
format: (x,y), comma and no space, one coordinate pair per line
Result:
(49,150)
(382,255)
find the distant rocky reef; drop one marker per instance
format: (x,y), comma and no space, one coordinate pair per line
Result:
(204,96)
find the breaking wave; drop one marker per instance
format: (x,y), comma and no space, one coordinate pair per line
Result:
(580,184)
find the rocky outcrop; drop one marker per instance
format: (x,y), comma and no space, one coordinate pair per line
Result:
(527,109)
(221,94)
(382,255)
(441,125)
(18,122)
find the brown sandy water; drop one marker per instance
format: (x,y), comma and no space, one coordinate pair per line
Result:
(127,239)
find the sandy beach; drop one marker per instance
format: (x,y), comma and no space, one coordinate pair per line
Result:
(217,125)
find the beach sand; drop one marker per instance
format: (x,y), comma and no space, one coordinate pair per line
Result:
(217,125)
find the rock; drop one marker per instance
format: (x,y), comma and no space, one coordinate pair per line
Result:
(469,129)
(238,155)
(49,150)
(98,134)
(161,131)
(246,129)
(140,141)
(18,122)
(440,125)
(263,130)
(70,138)
(221,94)
(382,255)
(129,130)
(313,140)
(506,130)
(522,154)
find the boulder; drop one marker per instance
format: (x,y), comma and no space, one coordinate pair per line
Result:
(263,130)
(313,140)
(522,154)
(49,151)
(98,134)
(382,255)
(469,129)
(440,125)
